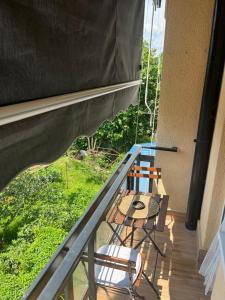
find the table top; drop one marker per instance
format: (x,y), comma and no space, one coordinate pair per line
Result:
(139,206)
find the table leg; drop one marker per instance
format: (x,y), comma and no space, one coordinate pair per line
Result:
(132,237)
(153,242)
(116,234)
(151,284)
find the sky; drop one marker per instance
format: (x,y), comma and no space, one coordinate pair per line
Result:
(158,25)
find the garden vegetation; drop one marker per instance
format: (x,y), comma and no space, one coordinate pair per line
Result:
(39,207)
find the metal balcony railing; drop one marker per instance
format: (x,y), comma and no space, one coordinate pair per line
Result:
(56,281)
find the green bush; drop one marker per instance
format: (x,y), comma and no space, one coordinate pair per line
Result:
(21,201)
(23,260)
(11,231)
(38,208)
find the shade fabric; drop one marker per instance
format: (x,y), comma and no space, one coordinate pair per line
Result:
(56,47)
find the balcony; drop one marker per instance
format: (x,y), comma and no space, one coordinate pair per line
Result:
(176,276)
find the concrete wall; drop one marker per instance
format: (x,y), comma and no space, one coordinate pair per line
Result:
(188,26)
(214,194)
(218,292)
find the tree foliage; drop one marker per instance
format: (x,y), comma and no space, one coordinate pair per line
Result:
(120,134)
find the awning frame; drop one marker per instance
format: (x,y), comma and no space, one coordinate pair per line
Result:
(20,111)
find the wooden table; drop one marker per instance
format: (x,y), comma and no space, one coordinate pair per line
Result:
(124,213)
(139,206)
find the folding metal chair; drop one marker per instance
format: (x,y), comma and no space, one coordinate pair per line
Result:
(133,181)
(148,225)
(155,224)
(137,172)
(152,173)
(120,268)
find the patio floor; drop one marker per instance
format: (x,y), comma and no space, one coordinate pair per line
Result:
(177,275)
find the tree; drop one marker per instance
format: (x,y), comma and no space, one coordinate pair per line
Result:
(120,134)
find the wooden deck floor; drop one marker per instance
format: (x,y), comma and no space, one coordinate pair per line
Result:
(177,275)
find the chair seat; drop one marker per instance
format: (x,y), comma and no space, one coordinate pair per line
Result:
(114,277)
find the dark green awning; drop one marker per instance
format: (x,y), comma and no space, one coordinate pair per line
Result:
(52,48)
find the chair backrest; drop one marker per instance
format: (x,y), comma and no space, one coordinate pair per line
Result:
(153,173)
(137,173)
(109,261)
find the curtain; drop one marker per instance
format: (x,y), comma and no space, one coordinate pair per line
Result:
(210,263)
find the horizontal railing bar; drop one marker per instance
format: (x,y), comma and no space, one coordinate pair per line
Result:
(72,258)
(15,112)
(169,149)
(146,158)
(60,253)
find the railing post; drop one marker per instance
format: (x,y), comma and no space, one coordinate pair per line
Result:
(151,164)
(137,179)
(130,183)
(91,269)
(68,291)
